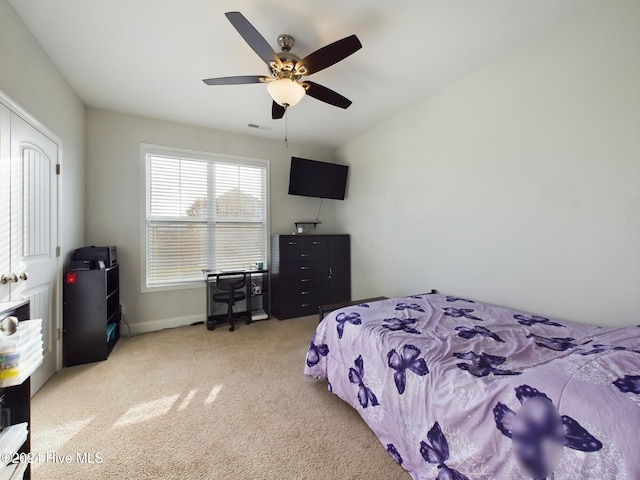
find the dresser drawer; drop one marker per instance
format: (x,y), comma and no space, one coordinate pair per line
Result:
(305,302)
(304,270)
(304,255)
(299,310)
(304,283)
(295,242)
(305,297)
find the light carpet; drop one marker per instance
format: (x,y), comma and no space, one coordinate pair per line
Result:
(188,403)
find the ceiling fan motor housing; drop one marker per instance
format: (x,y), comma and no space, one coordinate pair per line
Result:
(286,42)
(287,68)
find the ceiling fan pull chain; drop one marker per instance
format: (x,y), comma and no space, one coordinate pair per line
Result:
(286,127)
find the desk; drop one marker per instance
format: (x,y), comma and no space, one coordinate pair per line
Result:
(256,304)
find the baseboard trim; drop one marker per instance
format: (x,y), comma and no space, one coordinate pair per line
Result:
(156,325)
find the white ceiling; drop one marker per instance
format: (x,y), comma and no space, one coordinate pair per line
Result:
(148,57)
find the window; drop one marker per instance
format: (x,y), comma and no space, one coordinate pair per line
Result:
(202,211)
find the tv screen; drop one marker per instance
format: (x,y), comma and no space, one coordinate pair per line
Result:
(311,178)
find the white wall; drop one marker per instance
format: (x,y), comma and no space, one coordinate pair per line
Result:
(113,201)
(30,79)
(517,185)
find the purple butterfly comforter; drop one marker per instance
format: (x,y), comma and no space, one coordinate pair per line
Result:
(457,389)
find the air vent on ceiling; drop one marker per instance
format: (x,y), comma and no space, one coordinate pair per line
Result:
(259,127)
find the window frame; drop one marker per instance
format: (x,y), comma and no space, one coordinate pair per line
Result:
(147,149)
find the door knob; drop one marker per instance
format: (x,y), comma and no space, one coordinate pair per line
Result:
(24,276)
(9,278)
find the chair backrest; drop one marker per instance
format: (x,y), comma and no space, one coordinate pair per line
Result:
(231,281)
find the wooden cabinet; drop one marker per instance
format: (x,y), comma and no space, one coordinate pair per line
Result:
(308,271)
(91,314)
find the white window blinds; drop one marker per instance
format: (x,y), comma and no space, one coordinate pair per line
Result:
(203,213)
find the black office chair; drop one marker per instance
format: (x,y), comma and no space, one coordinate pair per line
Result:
(230,288)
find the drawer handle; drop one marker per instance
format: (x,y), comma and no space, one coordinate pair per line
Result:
(304,279)
(292,243)
(316,243)
(305,304)
(304,293)
(304,268)
(304,254)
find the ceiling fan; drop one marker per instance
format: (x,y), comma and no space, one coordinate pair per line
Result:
(284,83)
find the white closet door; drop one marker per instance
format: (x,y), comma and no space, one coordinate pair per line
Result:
(34,233)
(5,235)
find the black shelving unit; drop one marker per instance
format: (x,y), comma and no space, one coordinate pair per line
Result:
(91,314)
(16,400)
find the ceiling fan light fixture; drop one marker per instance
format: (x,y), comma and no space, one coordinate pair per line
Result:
(285,92)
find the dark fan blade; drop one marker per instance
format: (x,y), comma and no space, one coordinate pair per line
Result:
(327,95)
(330,54)
(252,37)
(277,111)
(235,80)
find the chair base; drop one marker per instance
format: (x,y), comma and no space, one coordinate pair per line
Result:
(213,322)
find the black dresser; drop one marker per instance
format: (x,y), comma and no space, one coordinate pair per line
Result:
(308,271)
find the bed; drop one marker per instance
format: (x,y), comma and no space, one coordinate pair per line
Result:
(458,389)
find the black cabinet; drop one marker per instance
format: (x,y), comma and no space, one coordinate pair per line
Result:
(339,269)
(15,403)
(91,314)
(308,271)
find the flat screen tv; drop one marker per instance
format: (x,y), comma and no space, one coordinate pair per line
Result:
(311,178)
